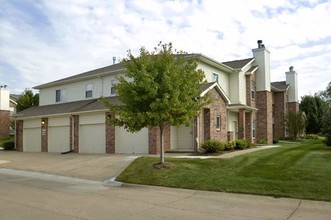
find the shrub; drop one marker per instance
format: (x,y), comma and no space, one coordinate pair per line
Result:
(242,144)
(9,145)
(212,146)
(229,145)
(263,141)
(275,141)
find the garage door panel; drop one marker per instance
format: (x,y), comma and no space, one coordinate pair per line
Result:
(127,142)
(92,138)
(32,140)
(58,139)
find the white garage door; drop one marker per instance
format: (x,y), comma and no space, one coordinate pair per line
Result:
(181,137)
(32,135)
(128,143)
(58,134)
(92,133)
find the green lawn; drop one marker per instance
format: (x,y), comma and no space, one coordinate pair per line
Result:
(299,170)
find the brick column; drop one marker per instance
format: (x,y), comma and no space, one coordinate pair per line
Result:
(76,133)
(241,124)
(110,134)
(279,115)
(248,126)
(293,106)
(154,140)
(44,135)
(264,116)
(19,135)
(206,124)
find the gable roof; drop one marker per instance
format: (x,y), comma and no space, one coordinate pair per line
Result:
(108,70)
(280,86)
(118,68)
(66,108)
(238,64)
(205,88)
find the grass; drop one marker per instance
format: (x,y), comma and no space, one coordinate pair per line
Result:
(300,170)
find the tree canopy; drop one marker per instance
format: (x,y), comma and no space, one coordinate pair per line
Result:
(295,123)
(27,100)
(160,88)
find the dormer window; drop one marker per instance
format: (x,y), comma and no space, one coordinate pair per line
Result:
(215,77)
(60,95)
(89,91)
(112,87)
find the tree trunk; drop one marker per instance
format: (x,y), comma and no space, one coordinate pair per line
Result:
(161,146)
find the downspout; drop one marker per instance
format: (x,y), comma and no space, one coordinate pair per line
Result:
(198,133)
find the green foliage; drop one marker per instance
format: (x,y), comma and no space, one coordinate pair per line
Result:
(242,144)
(229,145)
(212,146)
(27,100)
(326,94)
(326,130)
(275,141)
(314,108)
(160,88)
(295,123)
(262,141)
(314,137)
(8,145)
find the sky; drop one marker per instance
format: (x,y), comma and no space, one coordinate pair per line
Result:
(45,40)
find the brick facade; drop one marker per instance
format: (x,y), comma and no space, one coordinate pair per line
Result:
(19,135)
(279,111)
(264,117)
(293,106)
(76,133)
(207,126)
(4,123)
(44,135)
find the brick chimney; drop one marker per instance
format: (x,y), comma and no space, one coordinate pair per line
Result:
(263,94)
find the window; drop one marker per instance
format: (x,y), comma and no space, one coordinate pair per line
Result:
(215,77)
(112,87)
(254,129)
(218,122)
(253,89)
(89,91)
(60,95)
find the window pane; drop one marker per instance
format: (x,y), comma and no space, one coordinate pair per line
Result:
(58,95)
(88,94)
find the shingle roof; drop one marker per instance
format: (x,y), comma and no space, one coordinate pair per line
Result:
(66,108)
(112,68)
(279,86)
(14,97)
(237,64)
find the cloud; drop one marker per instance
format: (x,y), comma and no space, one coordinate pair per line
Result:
(43,41)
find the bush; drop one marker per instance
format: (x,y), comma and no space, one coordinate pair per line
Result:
(229,145)
(313,136)
(212,146)
(242,144)
(275,141)
(8,145)
(263,141)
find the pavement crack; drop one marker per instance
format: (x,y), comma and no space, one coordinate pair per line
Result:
(294,211)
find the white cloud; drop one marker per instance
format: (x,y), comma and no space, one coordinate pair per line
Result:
(81,35)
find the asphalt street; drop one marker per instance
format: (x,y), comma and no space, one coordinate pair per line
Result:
(35,195)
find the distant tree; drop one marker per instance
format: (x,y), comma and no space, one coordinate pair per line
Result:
(27,100)
(314,108)
(160,88)
(295,123)
(326,129)
(326,94)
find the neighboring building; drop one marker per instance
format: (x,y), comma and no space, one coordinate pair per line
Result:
(8,104)
(70,117)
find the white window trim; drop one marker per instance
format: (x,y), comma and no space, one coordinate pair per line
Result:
(254,129)
(89,88)
(112,84)
(63,95)
(218,123)
(216,77)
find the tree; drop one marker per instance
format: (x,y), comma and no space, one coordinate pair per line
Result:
(314,108)
(27,100)
(326,94)
(160,88)
(295,123)
(326,129)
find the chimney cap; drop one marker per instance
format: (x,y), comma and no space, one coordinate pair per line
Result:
(291,68)
(259,44)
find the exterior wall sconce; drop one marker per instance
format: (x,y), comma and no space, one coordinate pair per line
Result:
(43,122)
